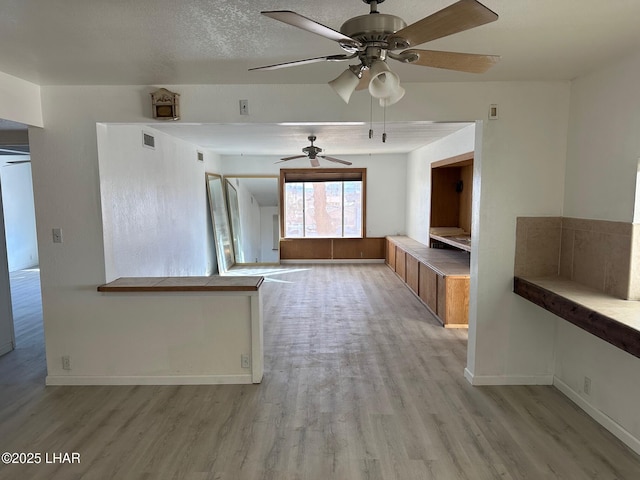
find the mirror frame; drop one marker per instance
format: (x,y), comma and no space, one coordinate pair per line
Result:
(228,182)
(220,223)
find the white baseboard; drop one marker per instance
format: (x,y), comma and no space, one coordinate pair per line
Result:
(336,260)
(149,380)
(6,348)
(478,380)
(603,419)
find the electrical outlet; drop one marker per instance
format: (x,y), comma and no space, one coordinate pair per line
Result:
(587,386)
(66,362)
(244,361)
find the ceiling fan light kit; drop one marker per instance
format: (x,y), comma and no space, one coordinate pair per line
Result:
(373,38)
(345,84)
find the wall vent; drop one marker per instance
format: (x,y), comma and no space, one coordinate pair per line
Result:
(148,140)
(200,157)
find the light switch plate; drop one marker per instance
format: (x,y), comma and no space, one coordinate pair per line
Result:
(57,235)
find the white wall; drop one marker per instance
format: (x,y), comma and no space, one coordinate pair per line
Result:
(386,178)
(520,157)
(602,164)
(154,206)
(604,143)
(249,223)
(267,232)
(19,213)
(7,339)
(419,178)
(20,101)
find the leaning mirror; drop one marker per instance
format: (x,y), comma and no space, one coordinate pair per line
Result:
(253,209)
(220,221)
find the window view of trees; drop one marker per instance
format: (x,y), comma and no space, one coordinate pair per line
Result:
(323,209)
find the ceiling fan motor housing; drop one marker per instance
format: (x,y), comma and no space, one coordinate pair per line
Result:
(312,151)
(372,27)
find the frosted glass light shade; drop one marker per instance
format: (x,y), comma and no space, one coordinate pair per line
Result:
(383,82)
(395,97)
(345,84)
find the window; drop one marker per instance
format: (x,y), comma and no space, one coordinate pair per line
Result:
(327,203)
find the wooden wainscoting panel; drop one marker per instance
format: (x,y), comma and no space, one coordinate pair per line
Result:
(332,248)
(358,248)
(305,249)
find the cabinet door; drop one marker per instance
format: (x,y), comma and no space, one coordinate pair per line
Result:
(391,254)
(412,272)
(401,264)
(453,301)
(428,287)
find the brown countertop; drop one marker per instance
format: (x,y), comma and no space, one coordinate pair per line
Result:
(446,262)
(612,319)
(183,284)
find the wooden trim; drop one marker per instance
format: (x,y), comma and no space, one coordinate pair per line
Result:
(332,248)
(183,284)
(596,323)
(362,171)
(464,157)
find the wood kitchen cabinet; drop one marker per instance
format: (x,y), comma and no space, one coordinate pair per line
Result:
(412,272)
(439,278)
(453,300)
(391,254)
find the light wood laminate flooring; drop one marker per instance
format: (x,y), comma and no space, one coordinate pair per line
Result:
(361,382)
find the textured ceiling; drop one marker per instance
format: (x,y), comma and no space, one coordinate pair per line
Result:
(155,42)
(150,42)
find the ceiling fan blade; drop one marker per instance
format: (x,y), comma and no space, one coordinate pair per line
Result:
(295,63)
(455,18)
(18,162)
(336,160)
(304,23)
(462,62)
(286,159)
(314,162)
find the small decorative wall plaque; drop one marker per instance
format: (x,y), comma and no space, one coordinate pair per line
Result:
(165,104)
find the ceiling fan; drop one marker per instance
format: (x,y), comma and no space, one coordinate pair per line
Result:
(311,152)
(373,38)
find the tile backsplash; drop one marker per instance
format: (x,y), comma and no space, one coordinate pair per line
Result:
(596,253)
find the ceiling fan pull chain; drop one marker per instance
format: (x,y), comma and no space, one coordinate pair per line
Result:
(384,123)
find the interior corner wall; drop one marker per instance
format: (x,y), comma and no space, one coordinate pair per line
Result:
(602,167)
(20,101)
(419,178)
(153,204)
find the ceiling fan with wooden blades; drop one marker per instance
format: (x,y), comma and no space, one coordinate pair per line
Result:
(375,37)
(311,152)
